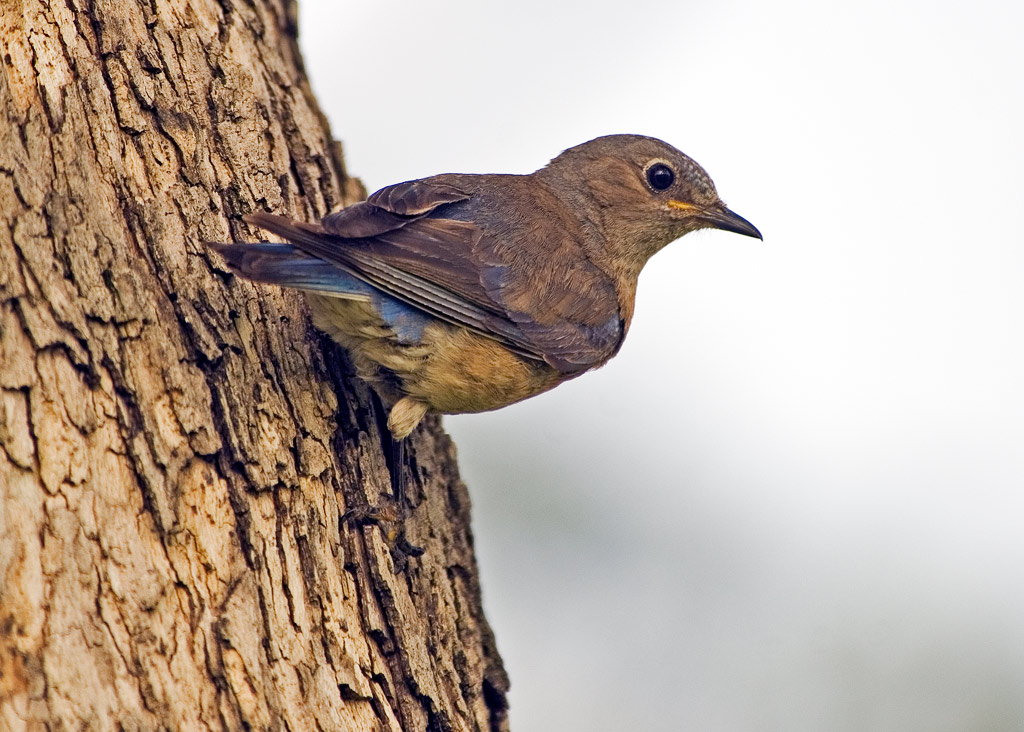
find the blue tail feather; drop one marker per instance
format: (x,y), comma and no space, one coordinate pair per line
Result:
(284,265)
(287,266)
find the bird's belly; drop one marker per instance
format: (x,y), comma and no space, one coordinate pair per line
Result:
(451,368)
(466,372)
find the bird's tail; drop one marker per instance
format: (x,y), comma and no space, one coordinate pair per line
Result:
(287,266)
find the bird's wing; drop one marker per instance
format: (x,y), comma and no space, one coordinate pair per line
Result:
(547,303)
(392,208)
(416,197)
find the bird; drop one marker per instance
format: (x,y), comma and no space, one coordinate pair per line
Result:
(461,293)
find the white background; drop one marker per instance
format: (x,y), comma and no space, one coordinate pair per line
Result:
(795,500)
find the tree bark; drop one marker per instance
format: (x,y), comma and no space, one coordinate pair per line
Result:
(176,446)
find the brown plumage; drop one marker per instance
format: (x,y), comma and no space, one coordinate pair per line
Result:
(465,293)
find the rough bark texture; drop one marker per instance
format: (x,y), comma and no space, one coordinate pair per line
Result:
(176,446)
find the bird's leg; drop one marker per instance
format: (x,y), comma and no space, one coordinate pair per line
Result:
(391,519)
(401,548)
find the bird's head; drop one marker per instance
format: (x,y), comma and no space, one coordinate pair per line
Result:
(641,192)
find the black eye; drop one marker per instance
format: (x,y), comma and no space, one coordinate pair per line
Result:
(660,176)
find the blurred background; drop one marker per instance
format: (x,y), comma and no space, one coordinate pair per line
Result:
(795,500)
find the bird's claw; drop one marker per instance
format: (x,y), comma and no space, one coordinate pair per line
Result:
(392,525)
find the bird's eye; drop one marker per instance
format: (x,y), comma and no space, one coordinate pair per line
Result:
(660,176)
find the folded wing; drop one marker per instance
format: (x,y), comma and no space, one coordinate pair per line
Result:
(427,244)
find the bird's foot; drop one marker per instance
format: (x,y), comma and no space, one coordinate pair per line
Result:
(391,521)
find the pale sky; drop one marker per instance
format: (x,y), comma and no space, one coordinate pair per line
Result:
(795,500)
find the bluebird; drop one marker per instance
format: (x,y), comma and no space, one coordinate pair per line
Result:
(465,293)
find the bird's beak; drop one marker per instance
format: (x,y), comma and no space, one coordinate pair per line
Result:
(726,220)
(719,218)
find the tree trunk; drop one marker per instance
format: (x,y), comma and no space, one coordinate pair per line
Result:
(176,446)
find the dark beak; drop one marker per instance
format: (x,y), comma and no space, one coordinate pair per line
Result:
(726,220)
